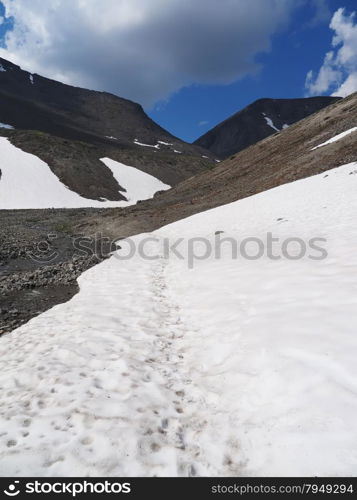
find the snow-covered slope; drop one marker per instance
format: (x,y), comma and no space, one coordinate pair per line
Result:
(234,367)
(28,182)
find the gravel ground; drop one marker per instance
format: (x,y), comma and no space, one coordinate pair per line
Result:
(41,257)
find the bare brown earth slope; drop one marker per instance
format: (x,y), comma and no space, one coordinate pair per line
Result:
(29,287)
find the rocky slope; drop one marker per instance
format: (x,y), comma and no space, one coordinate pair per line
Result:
(257,121)
(32,102)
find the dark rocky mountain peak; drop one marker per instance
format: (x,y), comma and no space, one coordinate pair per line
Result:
(257,121)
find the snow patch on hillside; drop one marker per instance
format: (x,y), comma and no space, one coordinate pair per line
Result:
(165,143)
(28,182)
(5,125)
(157,146)
(235,367)
(336,138)
(139,185)
(270,122)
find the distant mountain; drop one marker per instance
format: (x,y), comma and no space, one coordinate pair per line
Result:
(71,129)
(257,121)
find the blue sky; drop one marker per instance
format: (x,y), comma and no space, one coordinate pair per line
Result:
(5,25)
(161,77)
(294,52)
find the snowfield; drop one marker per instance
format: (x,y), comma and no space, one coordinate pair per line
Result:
(28,182)
(233,367)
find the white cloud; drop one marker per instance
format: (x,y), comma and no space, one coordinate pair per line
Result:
(348,86)
(143,49)
(202,123)
(338,74)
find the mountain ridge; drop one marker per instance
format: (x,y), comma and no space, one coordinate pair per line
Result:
(259,120)
(75,111)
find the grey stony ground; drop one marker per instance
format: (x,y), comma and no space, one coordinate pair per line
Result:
(41,257)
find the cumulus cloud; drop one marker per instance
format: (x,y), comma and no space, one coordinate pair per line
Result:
(338,74)
(143,49)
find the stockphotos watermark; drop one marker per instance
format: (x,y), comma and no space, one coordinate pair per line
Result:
(72,488)
(190,250)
